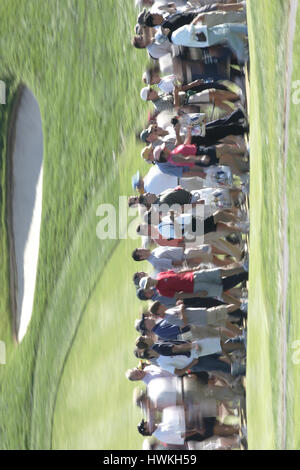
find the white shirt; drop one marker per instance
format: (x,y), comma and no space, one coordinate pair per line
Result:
(169,252)
(162,257)
(209,346)
(167,83)
(154,372)
(160,264)
(156,51)
(172,426)
(170,363)
(163,392)
(156,181)
(185,36)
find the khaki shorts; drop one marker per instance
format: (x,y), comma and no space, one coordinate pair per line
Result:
(202,97)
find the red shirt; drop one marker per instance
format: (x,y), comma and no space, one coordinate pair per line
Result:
(185,150)
(170,282)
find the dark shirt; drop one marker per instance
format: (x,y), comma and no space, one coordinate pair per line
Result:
(177,20)
(165,348)
(174,196)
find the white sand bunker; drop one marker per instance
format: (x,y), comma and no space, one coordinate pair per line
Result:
(26,205)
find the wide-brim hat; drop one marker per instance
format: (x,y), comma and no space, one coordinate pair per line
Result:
(147,151)
(141,17)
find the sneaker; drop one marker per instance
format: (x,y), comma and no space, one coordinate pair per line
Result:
(238,369)
(245,338)
(240,339)
(235,340)
(239,106)
(245,178)
(245,189)
(244,432)
(246,263)
(244,443)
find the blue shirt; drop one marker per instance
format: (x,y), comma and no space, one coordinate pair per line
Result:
(160,264)
(171,169)
(166,330)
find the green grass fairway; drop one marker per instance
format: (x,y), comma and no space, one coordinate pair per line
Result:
(94,404)
(273,407)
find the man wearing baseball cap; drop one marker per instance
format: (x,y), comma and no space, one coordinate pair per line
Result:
(198,283)
(151,325)
(155,135)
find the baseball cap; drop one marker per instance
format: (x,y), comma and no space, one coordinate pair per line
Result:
(144,135)
(144,93)
(141,294)
(148,19)
(157,151)
(143,282)
(135,180)
(140,325)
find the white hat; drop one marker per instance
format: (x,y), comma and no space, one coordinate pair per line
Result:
(144,93)
(138,3)
(143,282)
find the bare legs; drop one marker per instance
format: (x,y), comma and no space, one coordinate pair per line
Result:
(232,155)
(218,97)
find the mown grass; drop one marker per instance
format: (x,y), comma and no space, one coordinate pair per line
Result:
(5,110)
(268,26)
(293,302)
(77,59)
(94,406)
